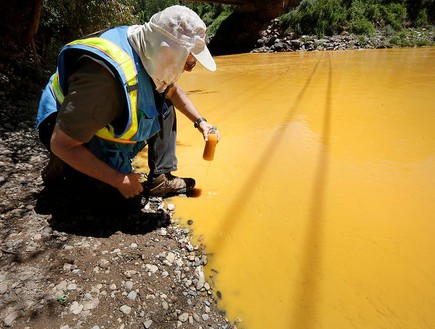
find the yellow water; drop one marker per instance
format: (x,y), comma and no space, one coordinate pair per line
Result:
(318,210)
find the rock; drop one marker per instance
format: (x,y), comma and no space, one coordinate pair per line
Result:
(93,303)
(151,268)
(201,279)
(129,285)
(3,287)
(71,286)
(103,263)
(125,309)
(132,295)
(183,317)
(76,308)
(11,317)
(196,317)
(147,324)
(170,257)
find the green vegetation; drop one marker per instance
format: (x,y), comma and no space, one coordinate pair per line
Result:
(75,18)
(65,20)
(361,17)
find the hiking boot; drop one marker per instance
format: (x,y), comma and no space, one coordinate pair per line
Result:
(168,184)
(54,172)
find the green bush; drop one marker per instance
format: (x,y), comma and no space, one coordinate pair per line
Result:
(359,16)
(395,14)
(359,23)
(70,19)
(144,9)
(214,26)
(321,17)
(65,20)
(362,26)
(421,19)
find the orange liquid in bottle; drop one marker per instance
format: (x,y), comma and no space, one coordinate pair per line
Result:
(210,147)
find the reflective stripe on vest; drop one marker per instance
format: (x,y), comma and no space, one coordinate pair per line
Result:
(57,90)
(128,69)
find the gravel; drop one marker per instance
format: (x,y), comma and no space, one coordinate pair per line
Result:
(69,259)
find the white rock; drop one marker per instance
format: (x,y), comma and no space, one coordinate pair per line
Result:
(93,303)
(196,317)
(171,206)
(183,317)
(103,263)
(151,268)
(179,262)
(132,295)
(71,286)
(170,257)
(129,285)
(62,285)
(3,287)
(11,317)
(125,309)
(76,308)
(147,324)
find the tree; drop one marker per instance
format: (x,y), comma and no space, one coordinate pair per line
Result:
(18,27)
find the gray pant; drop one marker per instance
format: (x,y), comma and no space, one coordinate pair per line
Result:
(161,147)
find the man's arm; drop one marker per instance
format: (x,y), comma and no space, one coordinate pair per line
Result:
(80,158)
(183,103)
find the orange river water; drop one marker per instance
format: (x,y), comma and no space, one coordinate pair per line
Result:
(318,210)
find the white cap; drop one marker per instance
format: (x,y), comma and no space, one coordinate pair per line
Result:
(186,28)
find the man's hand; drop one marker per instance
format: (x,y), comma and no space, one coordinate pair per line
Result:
(204,127)
(80,158)
(130,186)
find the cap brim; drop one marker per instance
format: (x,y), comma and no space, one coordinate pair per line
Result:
(205,58)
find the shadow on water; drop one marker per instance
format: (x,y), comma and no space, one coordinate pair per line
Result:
(85,210)
(303,316)
(242,202)
(307,297)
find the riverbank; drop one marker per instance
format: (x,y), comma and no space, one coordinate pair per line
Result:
(274,39)
(69,262)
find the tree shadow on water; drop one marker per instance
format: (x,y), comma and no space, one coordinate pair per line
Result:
(86,210)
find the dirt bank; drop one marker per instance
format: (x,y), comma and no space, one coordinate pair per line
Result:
(70,259)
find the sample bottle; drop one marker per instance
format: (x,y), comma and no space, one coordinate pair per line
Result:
(210,145)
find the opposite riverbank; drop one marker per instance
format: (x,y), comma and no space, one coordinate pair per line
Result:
(274,39)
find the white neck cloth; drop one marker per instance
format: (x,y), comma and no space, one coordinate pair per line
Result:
(164,43)
(162,58)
